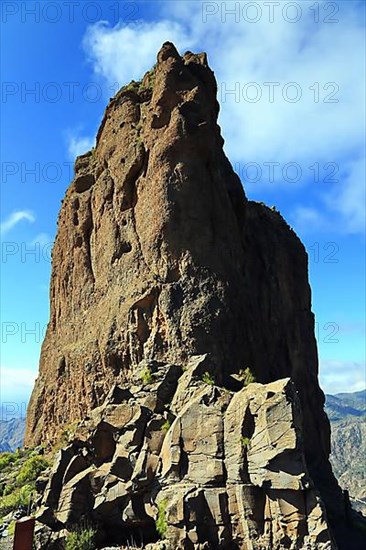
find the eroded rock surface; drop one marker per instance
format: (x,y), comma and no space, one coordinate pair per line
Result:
(160,258)
(226,471)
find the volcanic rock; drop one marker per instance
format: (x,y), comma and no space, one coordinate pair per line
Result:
(227,471)
(167,284)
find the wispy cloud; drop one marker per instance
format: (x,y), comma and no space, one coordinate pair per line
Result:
(325,61)
(15,218)
(307,219)
(123,53)
(42,239)
(348,199)
(339,376)
(78,145)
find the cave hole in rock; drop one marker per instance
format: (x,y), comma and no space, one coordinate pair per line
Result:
(126,247)
(61,366)
(183,462)
(248,424)
(83,182)
(247,431)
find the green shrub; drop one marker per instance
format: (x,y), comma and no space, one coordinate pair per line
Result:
(161,522)
(146,375)
(6,459)
(31,469)
(208,379)
(18,498)
(246,376)
(245,442)
(165,427)
(81,539)
(9,488)
(133,86)
(11,529)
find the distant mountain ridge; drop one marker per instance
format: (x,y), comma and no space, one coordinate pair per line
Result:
(11,434)
(346,404)
(347,414)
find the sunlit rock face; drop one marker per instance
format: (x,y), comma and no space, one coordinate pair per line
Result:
(224,470)
(160,258)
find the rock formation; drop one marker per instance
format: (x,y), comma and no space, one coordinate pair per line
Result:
(167,285)
(196,463)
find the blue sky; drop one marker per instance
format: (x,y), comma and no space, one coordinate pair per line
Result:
(291,81)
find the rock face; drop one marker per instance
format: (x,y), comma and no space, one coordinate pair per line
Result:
(224,470)
(160,258)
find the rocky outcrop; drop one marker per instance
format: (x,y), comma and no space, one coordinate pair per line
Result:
(197,464)
(160,258)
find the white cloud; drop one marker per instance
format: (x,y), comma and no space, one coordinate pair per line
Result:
(42,239)
(324,60)
(349,198)
(307,219)
(342,376)
(15,218)
(125,53)
(79,145)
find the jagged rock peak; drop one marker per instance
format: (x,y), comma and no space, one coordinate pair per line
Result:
(160,258)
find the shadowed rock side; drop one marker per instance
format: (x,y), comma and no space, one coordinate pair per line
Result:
(159,257)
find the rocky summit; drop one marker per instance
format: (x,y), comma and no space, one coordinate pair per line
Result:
(181,340)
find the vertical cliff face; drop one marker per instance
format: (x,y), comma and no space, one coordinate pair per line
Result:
(148,257)
(160,257)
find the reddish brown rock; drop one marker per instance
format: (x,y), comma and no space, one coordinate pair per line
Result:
(160,257)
